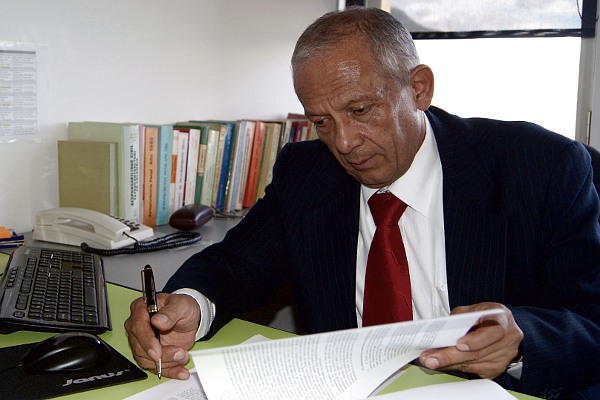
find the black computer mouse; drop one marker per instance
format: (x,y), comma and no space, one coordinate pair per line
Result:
(191,217)
(66,352)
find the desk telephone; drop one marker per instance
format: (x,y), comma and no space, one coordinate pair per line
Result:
(74,226)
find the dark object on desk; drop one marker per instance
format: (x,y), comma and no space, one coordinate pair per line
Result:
(53,290)
(191,217)
(67,352)
(115,370)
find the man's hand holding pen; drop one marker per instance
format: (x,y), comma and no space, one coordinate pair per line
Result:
(149,293)
(176,322)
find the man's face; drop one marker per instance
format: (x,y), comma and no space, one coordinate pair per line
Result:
(371,124)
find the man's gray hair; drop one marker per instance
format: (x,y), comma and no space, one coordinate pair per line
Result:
(391,44)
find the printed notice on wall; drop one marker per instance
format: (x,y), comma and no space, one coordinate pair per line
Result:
(18,91)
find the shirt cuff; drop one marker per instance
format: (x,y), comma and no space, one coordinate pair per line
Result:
(515,369)
(207,310)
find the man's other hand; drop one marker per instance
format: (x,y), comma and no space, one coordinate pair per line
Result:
(486,350)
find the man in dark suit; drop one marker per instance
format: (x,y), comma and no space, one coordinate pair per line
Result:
(500,215)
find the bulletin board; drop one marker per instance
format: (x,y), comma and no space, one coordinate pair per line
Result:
(18,91)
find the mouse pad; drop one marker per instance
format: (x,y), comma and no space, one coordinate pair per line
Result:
(16,384)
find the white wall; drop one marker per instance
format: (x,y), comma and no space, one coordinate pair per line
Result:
(149,61)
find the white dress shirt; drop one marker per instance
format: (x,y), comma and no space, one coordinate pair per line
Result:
(422,229)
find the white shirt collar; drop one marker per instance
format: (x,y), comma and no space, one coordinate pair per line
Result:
(420,176)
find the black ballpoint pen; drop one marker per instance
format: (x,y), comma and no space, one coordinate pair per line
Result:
(150,299)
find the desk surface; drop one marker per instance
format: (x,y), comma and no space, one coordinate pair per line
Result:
(124,270)
(235,332)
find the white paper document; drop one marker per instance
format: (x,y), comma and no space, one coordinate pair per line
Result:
(174,390)
(341,365)
(464,390)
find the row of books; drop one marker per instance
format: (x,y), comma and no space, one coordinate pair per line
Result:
(144,172)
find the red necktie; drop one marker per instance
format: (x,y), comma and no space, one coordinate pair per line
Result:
(387,295)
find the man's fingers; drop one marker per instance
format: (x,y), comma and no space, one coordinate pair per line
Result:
(177,322)
(180,373)
(139,329)
(486,366)
(180,311)
(173,359)
(486,333)
(486,350)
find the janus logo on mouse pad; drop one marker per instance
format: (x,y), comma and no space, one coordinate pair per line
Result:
(94,378)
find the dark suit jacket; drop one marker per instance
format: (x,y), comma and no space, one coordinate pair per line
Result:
(521,220)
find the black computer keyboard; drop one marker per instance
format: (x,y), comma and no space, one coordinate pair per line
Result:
(45,289)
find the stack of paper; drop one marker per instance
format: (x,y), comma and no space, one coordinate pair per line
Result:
(341,365)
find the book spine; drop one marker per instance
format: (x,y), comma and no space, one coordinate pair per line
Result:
(287,131)
(182,150)
(140,190)
(304,135)
(236,166)
(131,173)
(209,168)
(192,166)
(264,161)
(218,166)
(201,164)
(173,177)
(274,152)
(312,131)
(150,176)
(224,176)
(249,132)
(254,169)
(297,131)
(112,172)
(165,151)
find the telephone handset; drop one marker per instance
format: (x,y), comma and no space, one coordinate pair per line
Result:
(74,226)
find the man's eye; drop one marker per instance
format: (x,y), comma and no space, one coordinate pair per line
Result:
(323,125)
(321,122)
(361,110)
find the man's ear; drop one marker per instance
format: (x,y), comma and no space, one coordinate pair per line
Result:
(422,82)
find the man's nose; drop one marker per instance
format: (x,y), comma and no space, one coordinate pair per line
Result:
(347,136)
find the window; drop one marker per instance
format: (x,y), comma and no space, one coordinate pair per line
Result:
(459,19)
(531,79)
(523,65)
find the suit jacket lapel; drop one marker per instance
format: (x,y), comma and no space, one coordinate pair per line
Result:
(475,232)
(332,227)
